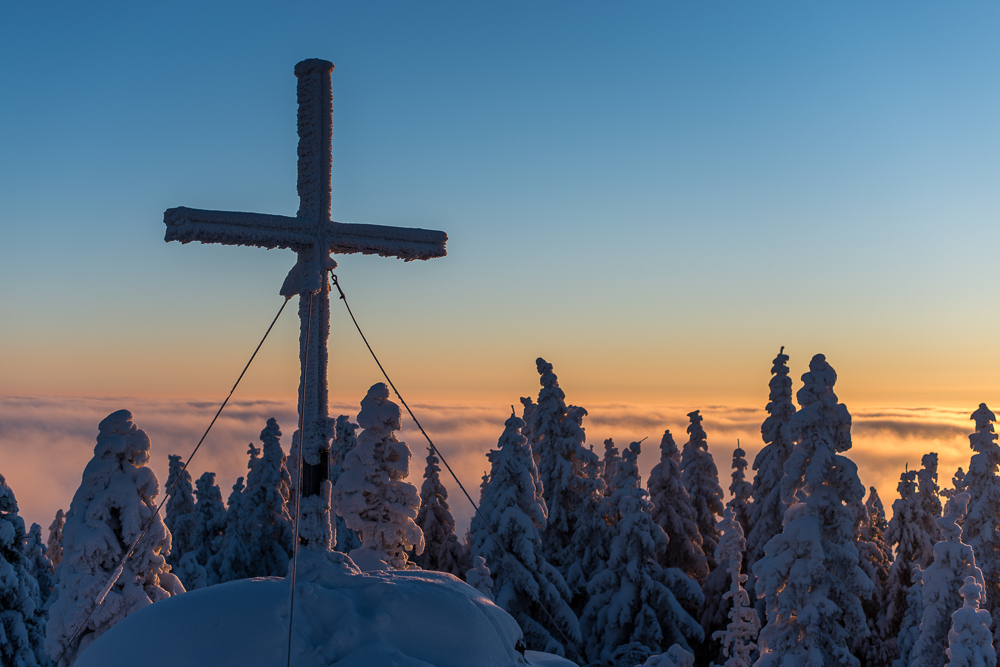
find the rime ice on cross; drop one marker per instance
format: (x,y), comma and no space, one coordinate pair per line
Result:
(313,236)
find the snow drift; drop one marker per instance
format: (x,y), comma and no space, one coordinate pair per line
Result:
(342,617)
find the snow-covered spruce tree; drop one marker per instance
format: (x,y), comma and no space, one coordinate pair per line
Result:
(557,444)
(810,574)
(634,600)
(981,529)
(957,486)
(479,577)
(909,629)
(114,503)
(768,509)
(714,613)
(673,512)
(190,572)
(909,533)
(524,583)
(701,479)
(345,439)
(612,459)
(741,490)
(22,621)
(53,546)
(942,581)
(180,502)
(233,559)
(442,550)
(591,535)
(39,564)
(210,526)
(929,492)
(267,523)
(739,637)
(875,559)
(371,493)
(970,642)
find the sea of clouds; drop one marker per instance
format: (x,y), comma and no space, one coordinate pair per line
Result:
(45,442)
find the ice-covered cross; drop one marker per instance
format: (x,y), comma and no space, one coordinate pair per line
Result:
(313,236)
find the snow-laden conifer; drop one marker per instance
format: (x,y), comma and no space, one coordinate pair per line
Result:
(953,562)
(929,492)
(345,439)
(612,459)
(970,641)
(53,546)
(957,486)
(740,491)
(701,479)
(739,637)
(810,574)
(180,502)
(442,550)
(527,586)
(479,577)
(266,521)
(768,509)
(875,557)
(22,621)
(673,512)
(909,532)
(634,600)
(39,564)
(591,535)
(981,529)
(909,629)
(210,528)
(371,493)
(113,505)
(557,444)
(233,559)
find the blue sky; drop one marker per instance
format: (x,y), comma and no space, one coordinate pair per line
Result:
(653,196)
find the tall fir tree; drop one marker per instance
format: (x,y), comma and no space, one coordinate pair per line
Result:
(612,459)
(739,638)
(442,550)
(701,479)
(38,563)
(768,508)
(180,502)
(525,584)
(909,532)
(929,492)
(372,494)
(22,620)
(970,642)
(344,440)
(981,529)
(941,582)
(673,511)
(592,533)
(875,558)
(741,491)
(267,525)
(634,601)
(557,444)
(115,502)
(210,526)
(53,546)
(811,575)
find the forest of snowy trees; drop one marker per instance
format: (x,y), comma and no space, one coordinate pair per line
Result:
(799,567)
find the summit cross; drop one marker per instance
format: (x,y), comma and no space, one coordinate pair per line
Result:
(313,236)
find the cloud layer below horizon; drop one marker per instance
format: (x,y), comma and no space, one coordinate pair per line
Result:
(45,442)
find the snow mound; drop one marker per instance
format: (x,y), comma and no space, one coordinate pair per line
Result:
(342,617)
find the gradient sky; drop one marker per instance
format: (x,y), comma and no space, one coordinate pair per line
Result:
(652,196)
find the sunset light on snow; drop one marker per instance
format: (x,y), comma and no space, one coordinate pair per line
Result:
(655,198)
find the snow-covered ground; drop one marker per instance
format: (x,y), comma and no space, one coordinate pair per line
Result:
(342,617)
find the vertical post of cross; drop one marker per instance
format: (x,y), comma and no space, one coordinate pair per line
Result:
(315,161)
